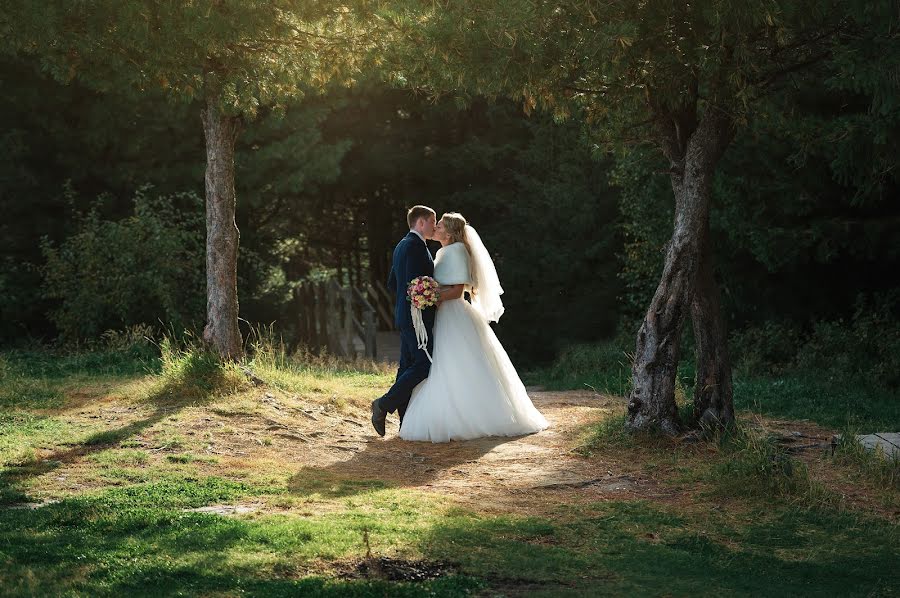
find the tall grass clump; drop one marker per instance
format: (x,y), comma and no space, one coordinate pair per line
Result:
(342,382)
(191,372)
(608,433)
(883,470)
(753,464)
(268,353)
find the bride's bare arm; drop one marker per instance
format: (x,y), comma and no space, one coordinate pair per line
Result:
(454,291)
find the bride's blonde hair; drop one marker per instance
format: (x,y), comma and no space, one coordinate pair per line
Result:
(456,226)
(455,223)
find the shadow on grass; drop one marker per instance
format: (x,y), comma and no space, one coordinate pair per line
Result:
(196,380)
(140,541)
(389,463)
(634,548)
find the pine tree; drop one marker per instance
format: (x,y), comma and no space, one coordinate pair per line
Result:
(231,57)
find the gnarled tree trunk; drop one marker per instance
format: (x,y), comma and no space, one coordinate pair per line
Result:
(713,395)
(693,153)
(222,235)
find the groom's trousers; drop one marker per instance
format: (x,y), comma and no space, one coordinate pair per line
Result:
(414,368)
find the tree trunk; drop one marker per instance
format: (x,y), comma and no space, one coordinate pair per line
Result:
(713,395)
(651,405)
(222,235)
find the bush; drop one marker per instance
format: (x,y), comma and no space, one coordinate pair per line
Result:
(865,348)
(112,274)
(868,346)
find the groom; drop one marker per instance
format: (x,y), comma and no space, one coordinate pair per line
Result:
(411,259)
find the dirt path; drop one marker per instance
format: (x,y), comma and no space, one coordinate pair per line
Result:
(494,474)
(314,441)
(269,429)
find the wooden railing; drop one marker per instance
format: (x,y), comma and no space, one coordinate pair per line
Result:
(384,304)
(337,319)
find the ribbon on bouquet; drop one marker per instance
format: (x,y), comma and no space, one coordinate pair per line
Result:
(421,333)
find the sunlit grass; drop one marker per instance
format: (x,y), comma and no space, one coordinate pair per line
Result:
(340,382)
(121,467)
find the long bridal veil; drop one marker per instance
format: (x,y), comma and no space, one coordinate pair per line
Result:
(486,298)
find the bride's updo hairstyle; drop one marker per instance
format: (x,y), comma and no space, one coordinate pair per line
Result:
(456,224)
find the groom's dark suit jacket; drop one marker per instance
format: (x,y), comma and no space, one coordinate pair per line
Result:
(411,259)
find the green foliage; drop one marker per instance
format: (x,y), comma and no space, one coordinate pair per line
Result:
(626,61)
(863,348)
(239,55)
(647,211)
(604,367)
(541,200)
(138,270)
(514,178)
(649,72)
(833,372)
(866,346)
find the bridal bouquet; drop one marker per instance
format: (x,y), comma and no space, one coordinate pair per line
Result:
(422,292)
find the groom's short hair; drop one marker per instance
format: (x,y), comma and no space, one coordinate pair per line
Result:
(416,212)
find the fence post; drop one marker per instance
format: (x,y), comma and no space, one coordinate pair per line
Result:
(331,314)
(347,296)
(322,313)
(300,314)
(309,302)
(369,325)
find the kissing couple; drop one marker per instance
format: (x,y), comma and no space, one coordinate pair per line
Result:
(456,383)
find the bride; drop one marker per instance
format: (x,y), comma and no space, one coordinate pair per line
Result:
(473,389)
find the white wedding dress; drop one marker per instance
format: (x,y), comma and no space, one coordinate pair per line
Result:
(473,389)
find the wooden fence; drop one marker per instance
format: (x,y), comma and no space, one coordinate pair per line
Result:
(340,320)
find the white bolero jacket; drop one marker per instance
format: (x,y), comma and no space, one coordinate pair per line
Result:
(452,265)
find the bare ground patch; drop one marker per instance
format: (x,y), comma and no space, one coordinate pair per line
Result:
(326,447)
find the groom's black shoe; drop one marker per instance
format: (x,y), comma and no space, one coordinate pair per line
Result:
(378,416)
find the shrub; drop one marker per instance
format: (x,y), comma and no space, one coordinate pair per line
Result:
(111,274)
(867,347)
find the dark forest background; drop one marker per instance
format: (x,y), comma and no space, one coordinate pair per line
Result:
(102,222)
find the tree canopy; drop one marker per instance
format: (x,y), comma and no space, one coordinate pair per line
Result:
(254,53)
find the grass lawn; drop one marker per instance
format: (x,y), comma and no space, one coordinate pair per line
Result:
(122,476)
